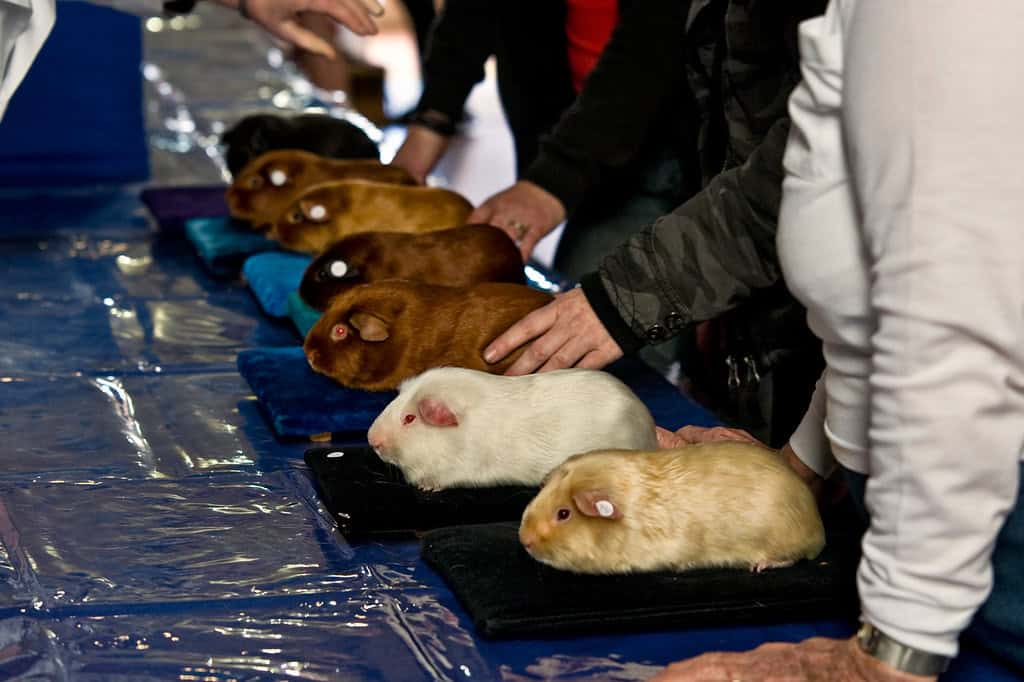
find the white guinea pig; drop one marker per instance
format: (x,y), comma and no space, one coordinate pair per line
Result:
(453,427)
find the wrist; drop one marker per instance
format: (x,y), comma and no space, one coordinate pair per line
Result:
(420,151)
(432,120)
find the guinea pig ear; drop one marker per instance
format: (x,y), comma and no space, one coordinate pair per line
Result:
(596,503)
(436,413)
(370,327)
(315,211)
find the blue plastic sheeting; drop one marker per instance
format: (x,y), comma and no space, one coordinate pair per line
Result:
(152,527)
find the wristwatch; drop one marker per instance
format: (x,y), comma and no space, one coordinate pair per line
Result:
(876,643)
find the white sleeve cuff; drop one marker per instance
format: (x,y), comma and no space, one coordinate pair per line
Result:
(809,441)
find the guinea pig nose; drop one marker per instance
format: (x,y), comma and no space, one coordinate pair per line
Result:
(527,539)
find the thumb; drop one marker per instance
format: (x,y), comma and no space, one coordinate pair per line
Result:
(305,39)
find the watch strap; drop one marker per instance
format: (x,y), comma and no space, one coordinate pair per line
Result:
(907,659)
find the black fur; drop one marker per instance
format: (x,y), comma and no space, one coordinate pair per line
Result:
(316,133)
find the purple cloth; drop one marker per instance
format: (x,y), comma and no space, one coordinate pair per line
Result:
(172,206)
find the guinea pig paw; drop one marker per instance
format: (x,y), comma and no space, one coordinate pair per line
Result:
(765,565)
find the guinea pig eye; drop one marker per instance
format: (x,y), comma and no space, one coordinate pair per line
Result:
(339,332)
(563,513)
(408,419)
(277,177)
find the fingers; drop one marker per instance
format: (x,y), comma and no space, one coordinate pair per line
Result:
(482,214)
(599,358)
(353,14)
(305,39)
(373,7)
(569,354)
(703,434)
(542,350)
(530,327)
(667,439)
(528,243)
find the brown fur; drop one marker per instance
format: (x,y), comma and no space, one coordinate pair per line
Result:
(354,206)
(253,197)
(426,326)
(711,504)
(461,256)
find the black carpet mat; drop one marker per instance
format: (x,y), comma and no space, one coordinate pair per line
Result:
(370,497)
(509,594)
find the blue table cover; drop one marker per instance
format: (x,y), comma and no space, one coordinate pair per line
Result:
(153,527)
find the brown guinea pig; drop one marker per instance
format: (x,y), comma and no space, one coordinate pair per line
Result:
(460,256)
(724,503)
(324,213)
(268,183)
(376,335)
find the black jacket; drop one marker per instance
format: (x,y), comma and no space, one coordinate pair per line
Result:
(718,248)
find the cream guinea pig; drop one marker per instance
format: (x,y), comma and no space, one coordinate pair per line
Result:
(724,503)
(453,427)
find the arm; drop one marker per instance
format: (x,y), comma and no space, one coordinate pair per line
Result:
(641,69)
(691,265)
(461,41)
(941,200)
(610,120)
(700,260)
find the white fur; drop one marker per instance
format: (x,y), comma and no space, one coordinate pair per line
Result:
(511,429)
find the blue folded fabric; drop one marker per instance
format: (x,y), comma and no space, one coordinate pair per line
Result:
(301,402)
(303,316)
(272,277)
(223,244)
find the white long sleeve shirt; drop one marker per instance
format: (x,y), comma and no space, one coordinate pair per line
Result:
(24,26)
(901,230)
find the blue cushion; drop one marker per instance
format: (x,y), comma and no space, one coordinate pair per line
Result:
(272,277)
(223,244)
(300,402)
(303,316)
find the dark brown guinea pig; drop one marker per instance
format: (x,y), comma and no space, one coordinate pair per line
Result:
(324,213)
(376,335)
(268,183)
(461,256)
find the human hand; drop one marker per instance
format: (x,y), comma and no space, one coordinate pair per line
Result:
(688,435)
(812,660)
(280,18)
(566,333)
(525,211)
(420,152)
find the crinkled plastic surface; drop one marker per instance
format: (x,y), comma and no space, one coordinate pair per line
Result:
(151,525)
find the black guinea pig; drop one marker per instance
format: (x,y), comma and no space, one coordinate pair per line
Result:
(316,133)
(460,256)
